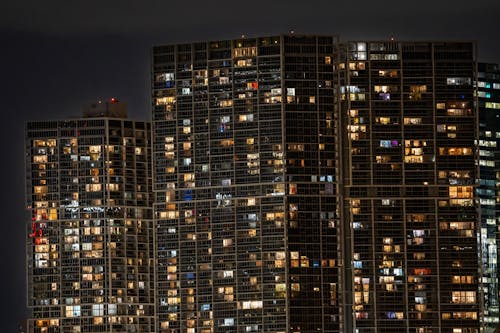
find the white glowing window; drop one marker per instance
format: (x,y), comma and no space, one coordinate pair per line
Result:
(458,81)
(228,322)
(251,305)
(97,309)
(73,311)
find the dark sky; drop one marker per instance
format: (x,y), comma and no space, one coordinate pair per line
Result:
(57,55)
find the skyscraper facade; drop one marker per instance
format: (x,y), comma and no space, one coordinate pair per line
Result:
(90,239)
(245,185)
(286,184)
(409,171)
(488,93)
(303,184)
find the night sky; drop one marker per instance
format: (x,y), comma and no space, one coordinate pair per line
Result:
(56,56)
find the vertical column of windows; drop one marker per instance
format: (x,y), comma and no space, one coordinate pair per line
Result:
(455,116)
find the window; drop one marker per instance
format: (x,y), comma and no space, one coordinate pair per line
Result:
(384,96)
(97,309)
(416,92)
(93,187)
(73,311)
(244,63)
(382,120)
(461,192)
(458,81)
(491,105)
(296,147)
(382,158)
(226,103)
(388,143)
(358,51)
(253,85)
(251,305)
(169,101)
(246,117)
(387,202)
(463,297)
(245,52)
(389,56)
(40,159)
(385,89)
(462,279)
(455,151)
(388,73)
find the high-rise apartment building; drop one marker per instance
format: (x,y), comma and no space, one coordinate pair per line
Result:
(246,185)
(90,239)
(488,93)
(302,184)
(409,171)
(299,184)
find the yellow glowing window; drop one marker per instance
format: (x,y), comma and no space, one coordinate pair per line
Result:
(461,191)
(40,189)
(53,214)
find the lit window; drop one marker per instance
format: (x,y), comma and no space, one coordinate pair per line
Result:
(458,81)
(73,311)
(412,121)
(463,297)
(388,143)
(253,85)
(251,305)
(416,92)
(246,117)
(461,192)
(388,73)
(491,105)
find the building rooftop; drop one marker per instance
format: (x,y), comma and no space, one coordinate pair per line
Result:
(112,108)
